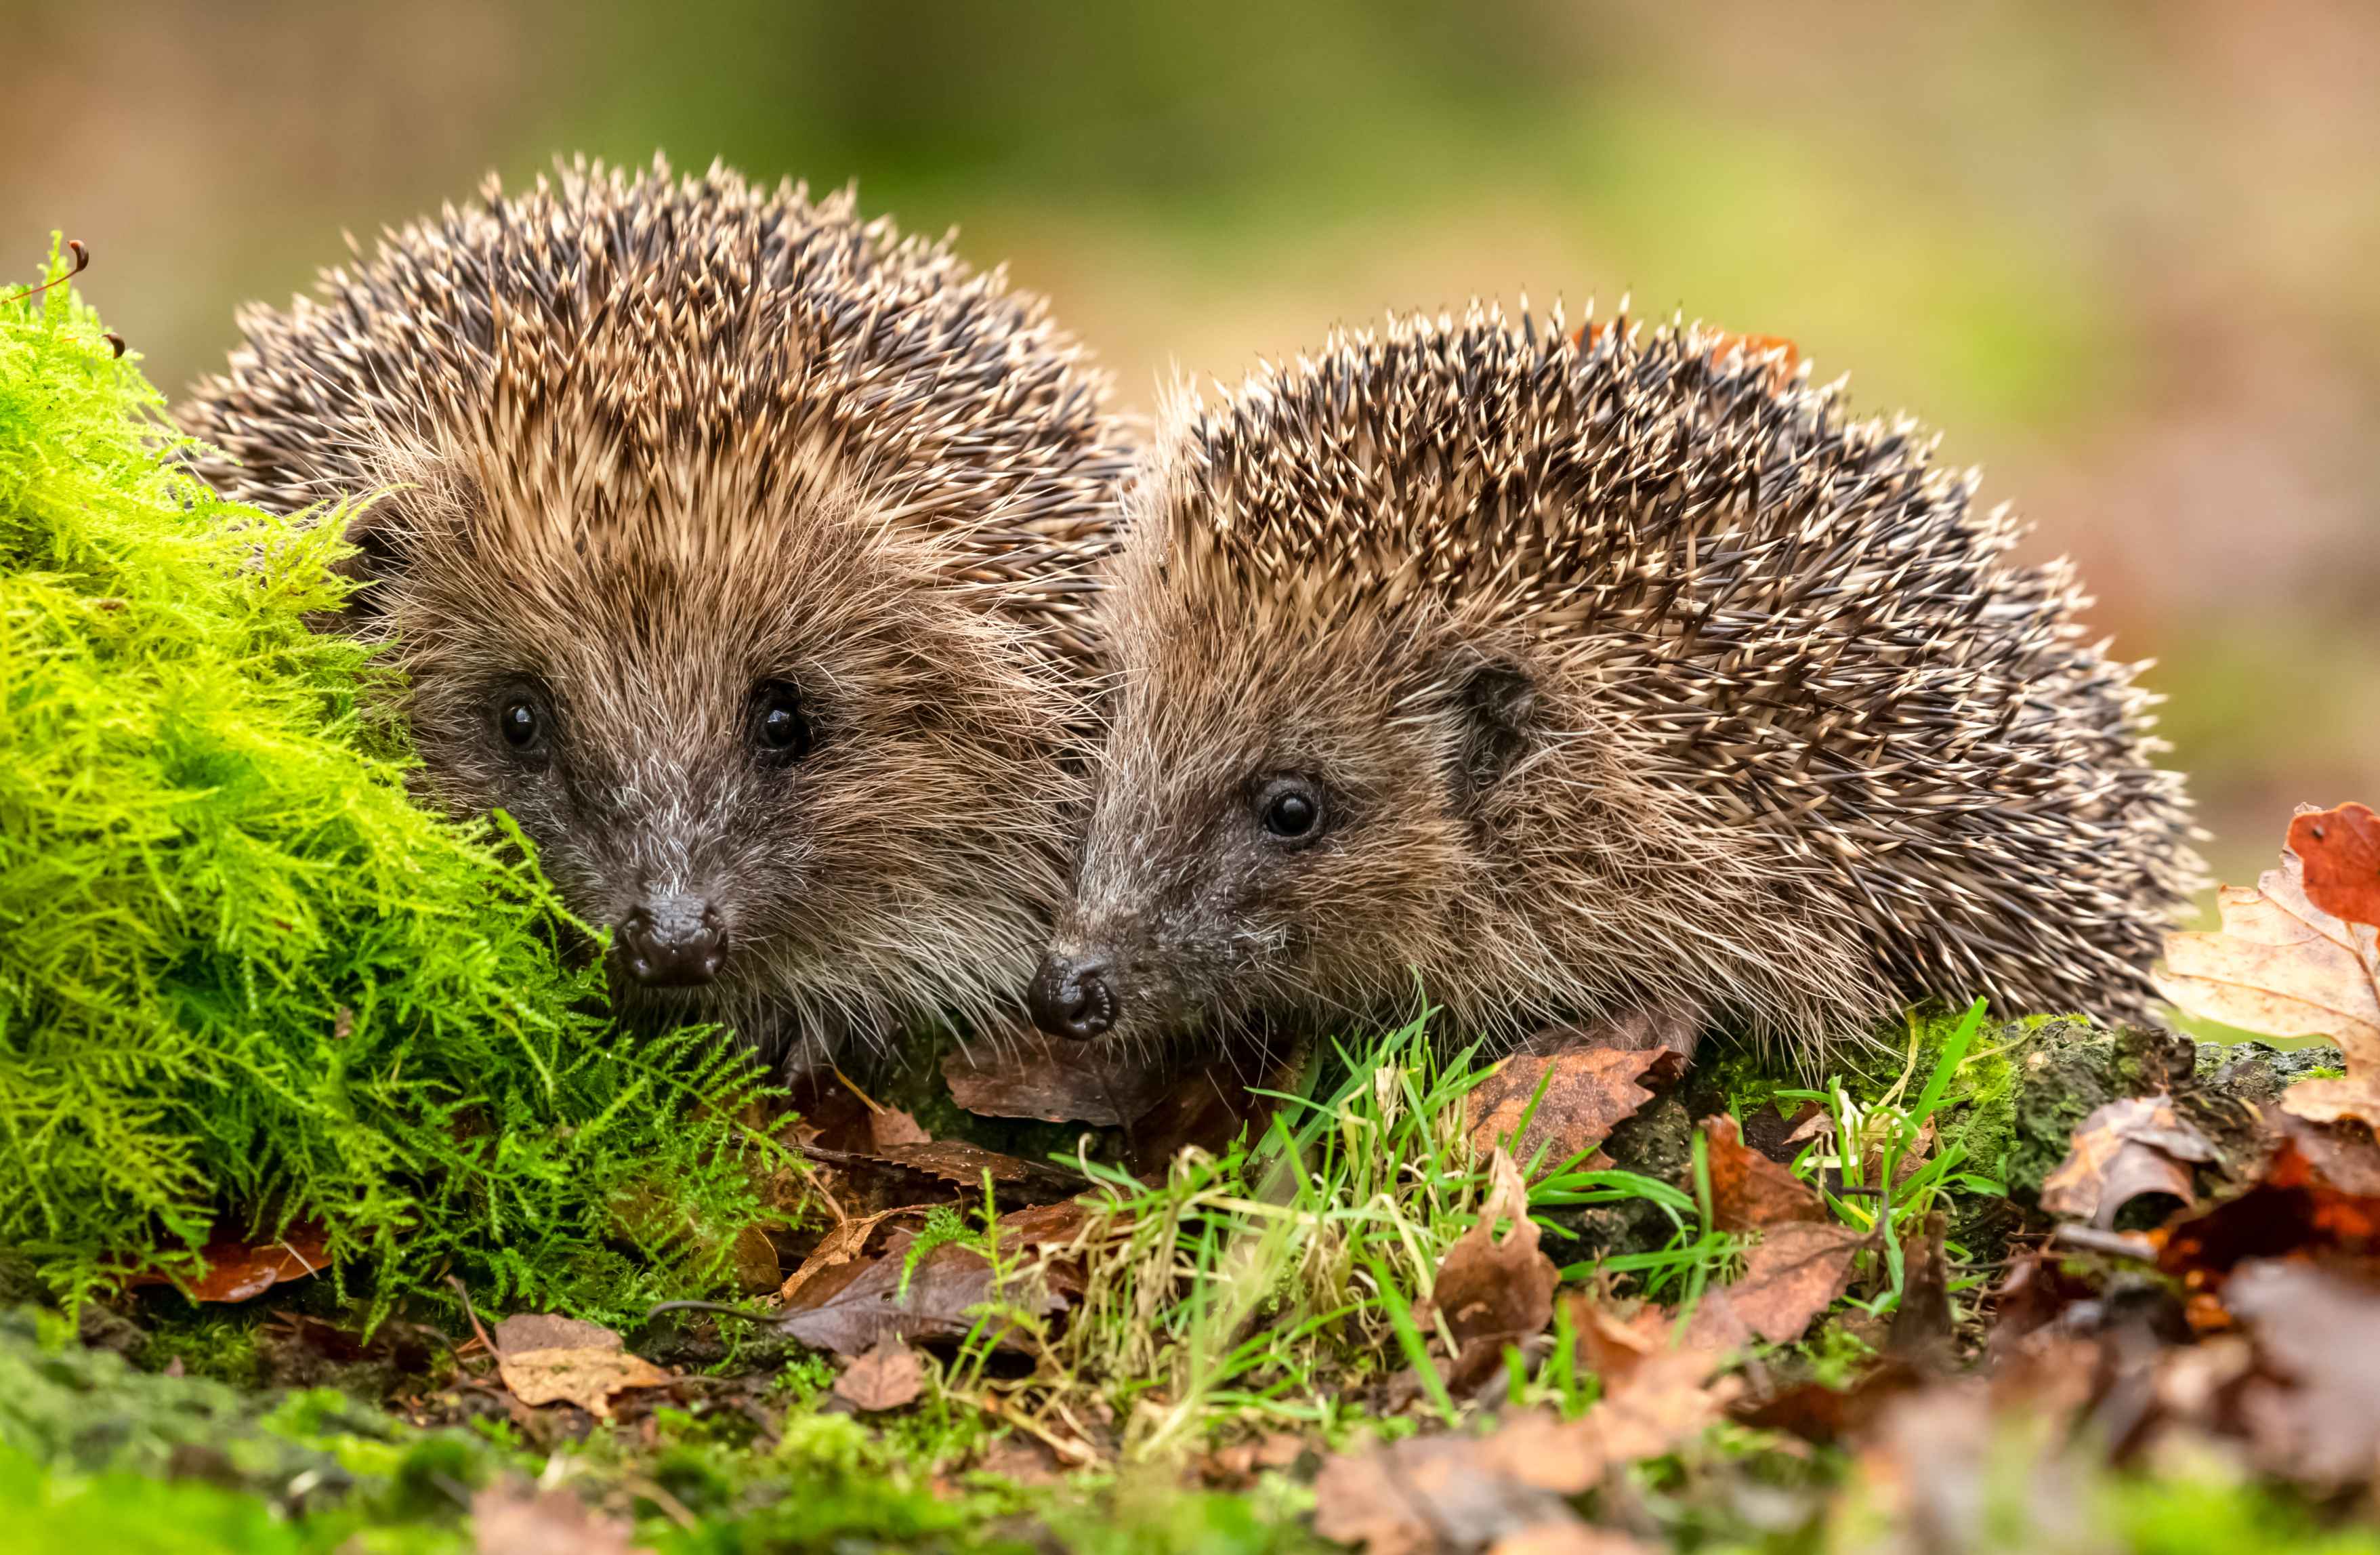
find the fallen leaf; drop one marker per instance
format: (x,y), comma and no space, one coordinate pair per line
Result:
(2341,1155)
(1796,1274)
(1610,1346)
(546,1330)
(888,1127)
(1455,1491)
(1817,1412)
(1234,1467)
(1786,354)
(1021,1460)
(2135,1145)
(2315,1416)
(237,1269)
(954,1160)
(828,1113)
(1027,1074)
(1750,1192)
(2282,966)
(1656,1391)
(2041,1288)
(514,1517)
(1588,1092)
(547,1359)
(1494,1292)
(1935,1459)
(1211,1105)
(845,1242)
(851,1308)
(886,1378)
(752,1258)
(2340,850)
(1041,1225)
(1666,1400)
(2295,1210)
(586,1378)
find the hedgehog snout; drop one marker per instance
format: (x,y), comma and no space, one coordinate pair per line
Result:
(672,942)
(1073,997)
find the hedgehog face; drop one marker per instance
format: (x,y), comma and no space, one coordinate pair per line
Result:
(1273,837)
(769,767)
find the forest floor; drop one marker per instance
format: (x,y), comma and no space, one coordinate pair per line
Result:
(2038,1282)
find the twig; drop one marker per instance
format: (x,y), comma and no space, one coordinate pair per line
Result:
(2115,1244)
(473,1318)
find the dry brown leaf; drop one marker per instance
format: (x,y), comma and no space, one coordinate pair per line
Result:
(1027,1074)
(888,1127)
(2317,1333)
(1494,1292)
(1750,1192)
(514,1517)
(1233,1468)
(1452,1491)
(1022,1460)
(1613,1346)
(2315,1198)
(1796,1274)
(840,1245)
(1817,1412)
(546,1359)
(2126,1148)
(237,1269)
(1666,1400)
(547,1330)
(1656,1391)
(1211,1105)
(954,1160)
(2284,968)
(752,1260)
(886,1378)
(1588,1092)
(2340,850)
(850,1308)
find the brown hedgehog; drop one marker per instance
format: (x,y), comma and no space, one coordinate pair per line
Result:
(734,546)
(1619,679)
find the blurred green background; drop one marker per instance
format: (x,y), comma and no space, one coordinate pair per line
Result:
(2128,256)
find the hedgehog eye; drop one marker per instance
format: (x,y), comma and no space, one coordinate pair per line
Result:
(525,723)
(1290,809)
(780,728)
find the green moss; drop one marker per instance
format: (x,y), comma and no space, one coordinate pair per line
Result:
(240,972)
(214,1343)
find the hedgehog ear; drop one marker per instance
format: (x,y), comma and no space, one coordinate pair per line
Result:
(1493,705)
(382,550)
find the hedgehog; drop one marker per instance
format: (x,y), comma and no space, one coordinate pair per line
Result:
(1616,678)
(736,548)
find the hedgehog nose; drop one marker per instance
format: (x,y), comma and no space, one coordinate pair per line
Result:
(1071,997)
(672,943)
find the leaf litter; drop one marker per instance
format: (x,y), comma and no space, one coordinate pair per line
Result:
(2133,1146)
(1571,1099)
(1493,1290)
(546,1359)
(2283,967)
(2259,1338)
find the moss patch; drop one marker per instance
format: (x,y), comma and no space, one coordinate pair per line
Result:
(245,982)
